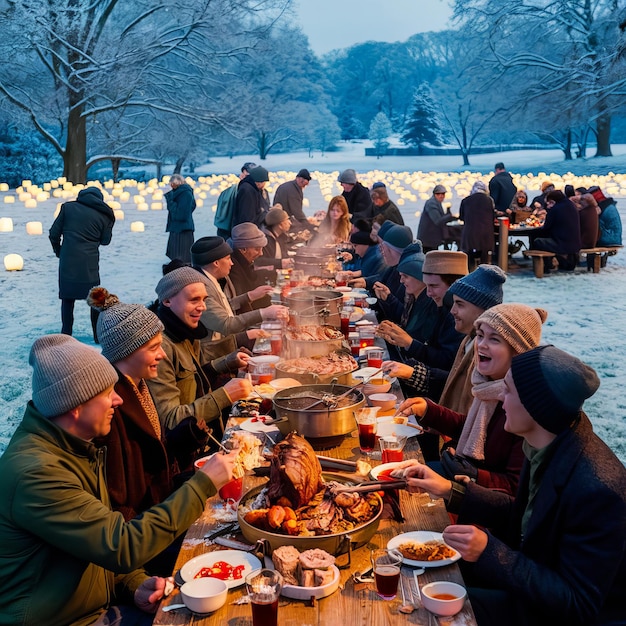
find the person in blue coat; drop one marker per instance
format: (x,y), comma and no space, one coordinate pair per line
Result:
(180,204)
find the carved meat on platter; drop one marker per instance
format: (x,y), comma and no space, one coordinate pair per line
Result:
(295,471)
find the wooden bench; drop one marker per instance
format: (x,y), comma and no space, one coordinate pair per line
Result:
(597,257)
(538,257)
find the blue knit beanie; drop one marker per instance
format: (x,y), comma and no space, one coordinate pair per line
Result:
(386,225)
(553,385)
(483,287)
(412,262)
(398,237)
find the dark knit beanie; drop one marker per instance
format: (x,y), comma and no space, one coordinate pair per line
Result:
(482,287)
(412,263)
(66,374)
(386,225)
(177,280)
(518,324)
(259,174)
(379,185)
(398,237)
(347,176)
(552,385)
(362,238)
(208,249)
(122,328)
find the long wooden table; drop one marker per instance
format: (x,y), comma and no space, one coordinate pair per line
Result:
(352,604)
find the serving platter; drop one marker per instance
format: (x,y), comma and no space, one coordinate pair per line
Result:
(296,592)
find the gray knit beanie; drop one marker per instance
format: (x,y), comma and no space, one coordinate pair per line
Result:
(122,328)
(482,287)
(248,235)
(67,373)
(178,279)
(553,385)
(347,176)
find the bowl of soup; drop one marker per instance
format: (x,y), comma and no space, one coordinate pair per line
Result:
(443,597)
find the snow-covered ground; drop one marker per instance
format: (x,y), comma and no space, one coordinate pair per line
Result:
(586,311)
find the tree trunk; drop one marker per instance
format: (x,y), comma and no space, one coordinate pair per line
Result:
(159,167)
(115,166)
(179,164)
(567,148)
(603,127)
(75,156)
(262,145)
(465,158)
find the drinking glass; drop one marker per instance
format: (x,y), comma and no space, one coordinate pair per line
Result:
(391,448)
(386,565)
(366,422)
(264,587)
(375,357)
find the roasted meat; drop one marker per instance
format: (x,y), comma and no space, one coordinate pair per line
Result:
(295,471)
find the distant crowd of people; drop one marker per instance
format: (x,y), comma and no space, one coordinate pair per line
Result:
(98,481)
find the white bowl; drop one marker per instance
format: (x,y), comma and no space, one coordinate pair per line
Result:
(386,401)
(440,606)
(376,385)
(204,595)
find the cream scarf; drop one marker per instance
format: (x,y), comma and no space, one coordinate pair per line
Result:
(487,394)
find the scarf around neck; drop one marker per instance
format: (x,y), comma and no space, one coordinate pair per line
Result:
(176,329)
(487,394)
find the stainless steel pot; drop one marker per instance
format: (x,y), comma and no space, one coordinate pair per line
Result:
(315,261)
(315,306)
(297,348)
(337,544)
(321,421)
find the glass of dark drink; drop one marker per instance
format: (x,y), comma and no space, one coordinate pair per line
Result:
(264,587)
(366,422)
(391,448)
(386,565)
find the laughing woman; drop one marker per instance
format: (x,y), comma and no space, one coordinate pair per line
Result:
(335,227)
(481,448)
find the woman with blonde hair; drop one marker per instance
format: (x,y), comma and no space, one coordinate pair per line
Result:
(335,227)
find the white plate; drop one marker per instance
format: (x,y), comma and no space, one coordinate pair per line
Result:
(375,471)
(387,427)
(306,593)
(365,372)
(421,536)
(233,557)
(258,426)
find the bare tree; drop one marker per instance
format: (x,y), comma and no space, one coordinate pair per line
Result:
(575,45)
(65,63)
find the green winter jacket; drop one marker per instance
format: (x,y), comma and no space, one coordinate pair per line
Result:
(65,556)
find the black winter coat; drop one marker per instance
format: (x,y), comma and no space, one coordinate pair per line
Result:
(478,232)
(250,205)
(502,190)
(76,235)
(359,202)
(562,224)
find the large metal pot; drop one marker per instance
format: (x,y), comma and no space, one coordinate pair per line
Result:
(315,306)
(339,543)
(315,261)
(321,421)
(297,348)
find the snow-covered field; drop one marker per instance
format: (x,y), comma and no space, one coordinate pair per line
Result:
(586,311)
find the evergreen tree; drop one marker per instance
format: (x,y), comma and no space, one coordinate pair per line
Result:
(423,123)
(379,131)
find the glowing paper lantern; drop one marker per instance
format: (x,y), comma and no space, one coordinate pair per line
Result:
(9,199)
(6,225)
(13,263)
(119,214)
(156,206)
(31,203)
(142,206)
(34,228)
(4,187)
(137,227)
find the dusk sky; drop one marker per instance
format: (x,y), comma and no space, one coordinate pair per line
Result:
(331,24)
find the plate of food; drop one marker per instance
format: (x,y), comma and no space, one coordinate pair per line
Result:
(231,566)
(308,574)
(257,424)
(423,548)
(383,471)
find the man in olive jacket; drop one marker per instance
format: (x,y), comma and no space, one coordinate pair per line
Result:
(65,556)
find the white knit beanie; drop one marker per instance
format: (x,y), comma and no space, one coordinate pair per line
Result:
(67,373)
(122,328)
